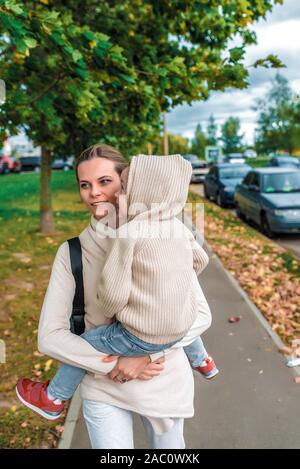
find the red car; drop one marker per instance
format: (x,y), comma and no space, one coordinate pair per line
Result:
(10,164)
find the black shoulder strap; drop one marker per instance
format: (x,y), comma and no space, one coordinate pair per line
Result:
(77,319)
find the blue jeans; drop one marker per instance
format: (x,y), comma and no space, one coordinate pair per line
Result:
(113,339)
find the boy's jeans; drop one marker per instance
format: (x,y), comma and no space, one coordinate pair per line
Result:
(114,339)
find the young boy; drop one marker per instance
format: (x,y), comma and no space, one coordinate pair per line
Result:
(149,280)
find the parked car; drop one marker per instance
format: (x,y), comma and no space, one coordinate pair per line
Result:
(4,168)
(250,153)
(220,182)
(59,163)
(270,197)
(31,163)
(284,162)
(235,158)
(200,167)
(9,164)
(14,165)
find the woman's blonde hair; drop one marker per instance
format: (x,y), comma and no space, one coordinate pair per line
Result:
(101,150)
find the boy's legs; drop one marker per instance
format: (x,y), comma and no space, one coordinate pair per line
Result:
(68,377)
(196,352)
(110,339)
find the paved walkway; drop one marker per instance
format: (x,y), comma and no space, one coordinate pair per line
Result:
(254,402)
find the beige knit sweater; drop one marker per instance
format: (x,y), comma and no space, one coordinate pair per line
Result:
(148,279)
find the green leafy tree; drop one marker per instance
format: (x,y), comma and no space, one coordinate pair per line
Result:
(199,142)
(79,72)
(177,144)
(231,137)
(211,131)
(278,121)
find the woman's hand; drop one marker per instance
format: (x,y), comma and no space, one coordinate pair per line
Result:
(129,368)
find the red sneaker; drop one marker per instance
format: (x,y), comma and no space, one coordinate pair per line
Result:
(208,368)
(34,396)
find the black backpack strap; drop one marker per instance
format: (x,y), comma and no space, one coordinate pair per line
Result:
(77,324)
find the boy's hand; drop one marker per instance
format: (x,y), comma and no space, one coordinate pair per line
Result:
(129,368)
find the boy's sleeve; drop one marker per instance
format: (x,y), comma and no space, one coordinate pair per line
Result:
(116,277)
(202,322)
(200,258)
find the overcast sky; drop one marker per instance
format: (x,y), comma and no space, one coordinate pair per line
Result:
(278,34)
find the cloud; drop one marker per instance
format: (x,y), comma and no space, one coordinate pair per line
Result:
(279,34)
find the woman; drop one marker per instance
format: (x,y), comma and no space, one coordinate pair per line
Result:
(108,401)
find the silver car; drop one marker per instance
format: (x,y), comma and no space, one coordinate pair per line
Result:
(271,198)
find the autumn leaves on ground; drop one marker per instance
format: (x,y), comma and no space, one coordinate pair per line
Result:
(268,273)
(26,259)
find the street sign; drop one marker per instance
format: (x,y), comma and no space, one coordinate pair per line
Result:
(213,154)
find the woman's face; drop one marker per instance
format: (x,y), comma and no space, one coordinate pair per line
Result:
(99,183)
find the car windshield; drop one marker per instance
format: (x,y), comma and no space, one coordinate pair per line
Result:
(233,173)
(191,157)
(285,182)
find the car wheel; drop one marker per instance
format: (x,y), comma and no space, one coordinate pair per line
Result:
(265,227)
(205,192)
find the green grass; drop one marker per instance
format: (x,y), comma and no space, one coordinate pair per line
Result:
(23,282)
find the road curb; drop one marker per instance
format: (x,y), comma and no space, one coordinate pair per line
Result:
(70,422)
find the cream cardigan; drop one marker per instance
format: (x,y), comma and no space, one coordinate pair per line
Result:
(155,398)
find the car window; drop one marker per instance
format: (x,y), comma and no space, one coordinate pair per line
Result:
(255,180)
(281,182)
(215,172)
(212,171)
(247,180)
(233,173)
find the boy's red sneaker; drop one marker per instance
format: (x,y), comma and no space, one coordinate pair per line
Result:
(33,395)
(207,368)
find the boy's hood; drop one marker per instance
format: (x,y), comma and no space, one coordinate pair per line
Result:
(160,180)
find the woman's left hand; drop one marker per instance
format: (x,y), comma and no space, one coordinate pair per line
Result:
(127,368)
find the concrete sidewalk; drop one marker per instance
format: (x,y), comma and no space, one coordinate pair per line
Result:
(254,402)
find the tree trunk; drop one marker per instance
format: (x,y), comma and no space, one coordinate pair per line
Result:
(166,140)
(46,216)
(150,148)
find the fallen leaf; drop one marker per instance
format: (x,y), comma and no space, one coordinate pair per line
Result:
(48,364)
(233,319)
(285,350)
(297,379)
